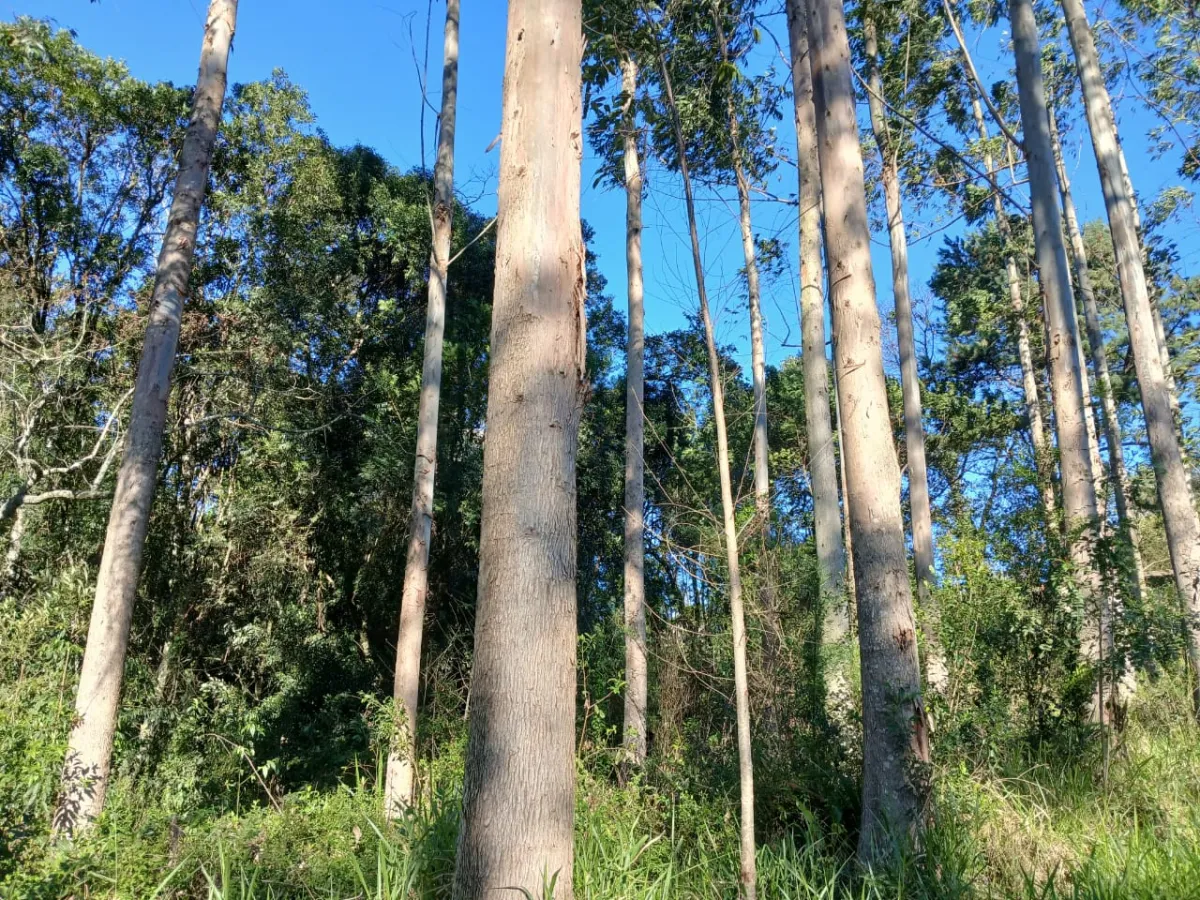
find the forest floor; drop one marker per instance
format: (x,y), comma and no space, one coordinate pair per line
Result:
(1045,829)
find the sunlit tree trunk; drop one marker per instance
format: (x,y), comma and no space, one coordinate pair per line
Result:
(636,686)
(517,830)
(1110,422)
(822,465)
(895,733)
(1174,490)
(1070,417)
(748,877)
(910,382)
(89,753)
(400,782)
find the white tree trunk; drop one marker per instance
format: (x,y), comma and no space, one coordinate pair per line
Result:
(1174,490)
(748,876)
(636,675)
(895,732)
(400,783)
(822,465)
(89,753)
(910,382)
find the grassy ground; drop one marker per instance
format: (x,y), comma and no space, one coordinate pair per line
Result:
(1044,828)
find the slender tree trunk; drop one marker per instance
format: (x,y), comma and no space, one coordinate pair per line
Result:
(749,868)
(1070,417)
(895,733)
(822,466)
(89,753)
(636,677)
(16,539)
(400,785)
(910,382)
(1174,490)
(1033,406)
(519,787)
(1109,420)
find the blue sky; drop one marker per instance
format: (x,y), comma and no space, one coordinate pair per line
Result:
(359,61)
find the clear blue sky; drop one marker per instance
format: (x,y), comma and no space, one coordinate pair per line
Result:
(359,61)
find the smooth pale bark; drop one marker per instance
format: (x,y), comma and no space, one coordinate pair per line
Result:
(636,672)
(910,381)
(748,874)
(1081,517)
(1174,490)
(895,732)
(89,753)
(517,830)
(400,784)
(1110,423)
(1029,388)
(822,465)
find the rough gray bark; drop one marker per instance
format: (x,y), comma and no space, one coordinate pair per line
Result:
(1110,423)
(1174,490)
(822,465)
(895,732)
(1033,406)
(89,753)
(1080,512)
(636,677)
(910,382)
(519,787)
(748,874)
(400,783)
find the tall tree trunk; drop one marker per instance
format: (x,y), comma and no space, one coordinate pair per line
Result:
(1110,422)
(1174,490)
(519,786)
(1070,417)
(89,753)
(400,784)
(910,382)
(636,687)
(822,465)
(749,869)
(895,732)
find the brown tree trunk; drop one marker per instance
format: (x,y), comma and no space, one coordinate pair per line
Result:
(895,733)
(1110,423)
(400,784)
(822,465)
(636,677)
(748,876)
(518,809)
(89,753)
(910,382)
(1174,490)
(1070,417)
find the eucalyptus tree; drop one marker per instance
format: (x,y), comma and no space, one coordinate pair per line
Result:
(1174,487)
(895,731)
(400,782)
(822,466)
(89,752)
(519,786)
(683,154)
(1080,511)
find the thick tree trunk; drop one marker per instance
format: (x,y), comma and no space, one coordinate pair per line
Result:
(748,876)
(636,677)
(400,784)
(910,382)
(1081,517)
(895,732)
(1174,490)
(1109,421)
(519,787)
(822,465)
(89,753)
